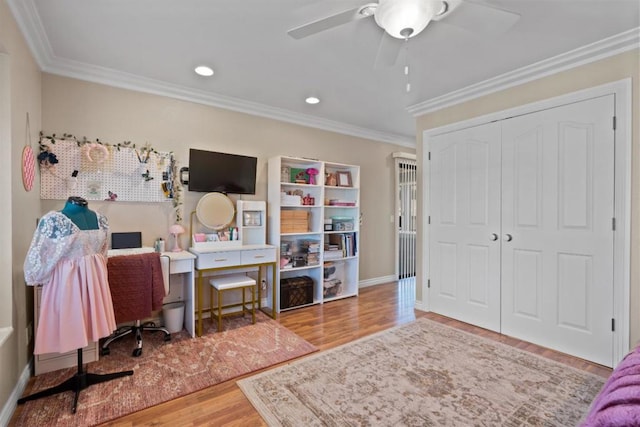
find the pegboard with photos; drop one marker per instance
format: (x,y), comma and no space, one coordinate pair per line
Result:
(99,171)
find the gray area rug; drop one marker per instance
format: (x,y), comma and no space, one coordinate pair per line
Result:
(422,374)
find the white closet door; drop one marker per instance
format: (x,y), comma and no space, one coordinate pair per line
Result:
(465,225)
(557,247)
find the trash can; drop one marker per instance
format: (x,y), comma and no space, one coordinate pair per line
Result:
(173,314)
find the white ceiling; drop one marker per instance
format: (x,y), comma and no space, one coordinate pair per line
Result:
(153,45)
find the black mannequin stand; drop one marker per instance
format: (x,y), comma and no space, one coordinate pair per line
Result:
(76,383)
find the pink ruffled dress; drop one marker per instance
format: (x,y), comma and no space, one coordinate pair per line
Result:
(71,264)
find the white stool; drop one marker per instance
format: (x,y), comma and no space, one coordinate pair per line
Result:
(225,283)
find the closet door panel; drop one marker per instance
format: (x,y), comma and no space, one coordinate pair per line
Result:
(557,198)
(479,284)
(465,213)
(527,284)
(575,179)
(524,169)
(447,252)
(574,283)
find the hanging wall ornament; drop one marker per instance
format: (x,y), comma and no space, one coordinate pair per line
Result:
(28,160)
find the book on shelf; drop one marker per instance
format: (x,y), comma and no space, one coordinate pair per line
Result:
(310,246)
(313,258)
(345,242)
(337,202)
(333,254)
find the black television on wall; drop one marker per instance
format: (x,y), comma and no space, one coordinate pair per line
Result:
(211,171)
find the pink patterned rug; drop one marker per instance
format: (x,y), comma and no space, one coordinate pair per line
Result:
(165,371)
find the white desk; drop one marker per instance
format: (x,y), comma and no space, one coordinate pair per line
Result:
(181,267)
(234,258)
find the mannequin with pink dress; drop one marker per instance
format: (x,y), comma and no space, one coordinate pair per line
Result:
(68,257)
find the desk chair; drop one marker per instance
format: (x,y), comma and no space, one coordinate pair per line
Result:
(226,283)
(138,286)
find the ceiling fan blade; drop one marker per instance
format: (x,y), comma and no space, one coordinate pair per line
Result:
(326,23)
(388,50)
(481,18)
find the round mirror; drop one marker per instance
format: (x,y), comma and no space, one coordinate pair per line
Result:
(215,211)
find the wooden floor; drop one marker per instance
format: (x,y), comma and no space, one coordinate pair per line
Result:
(326,326)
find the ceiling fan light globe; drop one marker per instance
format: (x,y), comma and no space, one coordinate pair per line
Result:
(401,17)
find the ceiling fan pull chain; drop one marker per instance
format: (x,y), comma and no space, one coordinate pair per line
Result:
(406,66)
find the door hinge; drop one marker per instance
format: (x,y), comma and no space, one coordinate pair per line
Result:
(613,224)
(614,123)
(429,219)
(429,155)
(429,283)
(613,325)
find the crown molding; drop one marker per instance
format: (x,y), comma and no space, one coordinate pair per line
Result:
(26,15)
(110,77)
(601,49)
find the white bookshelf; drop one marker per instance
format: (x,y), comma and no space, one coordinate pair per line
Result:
(340,201)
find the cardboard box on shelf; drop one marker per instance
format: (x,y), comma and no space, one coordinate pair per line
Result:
(294,221)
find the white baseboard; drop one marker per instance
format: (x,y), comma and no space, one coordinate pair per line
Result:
(420,305)
(377,281)
(12,402)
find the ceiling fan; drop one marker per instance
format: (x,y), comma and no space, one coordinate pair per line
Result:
(404,19)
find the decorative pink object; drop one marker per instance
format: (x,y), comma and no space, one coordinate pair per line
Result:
(28,167)
(312,172)
(176,230)
(28,161)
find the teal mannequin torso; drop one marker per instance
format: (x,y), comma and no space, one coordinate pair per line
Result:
(77,211)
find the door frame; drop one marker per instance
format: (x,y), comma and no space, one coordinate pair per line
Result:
(622,193)
(397,157)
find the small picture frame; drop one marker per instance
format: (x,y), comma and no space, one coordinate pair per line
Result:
(331,180)
(285,172)
(343,178)
(251,219)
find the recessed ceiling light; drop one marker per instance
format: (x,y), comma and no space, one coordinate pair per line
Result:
(203,70)
(312,100)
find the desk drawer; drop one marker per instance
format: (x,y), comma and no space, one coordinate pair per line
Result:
(181,266)
(217,259)
(258,256)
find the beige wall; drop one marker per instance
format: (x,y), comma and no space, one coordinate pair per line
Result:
(115,115)
(626,65)
(20,206)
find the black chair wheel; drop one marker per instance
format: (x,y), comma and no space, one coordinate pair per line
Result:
(167,337)
(137,352)
(105,351)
